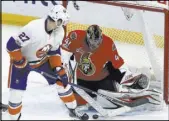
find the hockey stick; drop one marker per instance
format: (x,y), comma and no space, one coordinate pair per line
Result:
(127,106)
(86,96)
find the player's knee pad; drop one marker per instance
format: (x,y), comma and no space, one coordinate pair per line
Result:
(18,78)
(66,94)
(15,102)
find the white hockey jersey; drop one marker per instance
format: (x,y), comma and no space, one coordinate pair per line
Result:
(36,42)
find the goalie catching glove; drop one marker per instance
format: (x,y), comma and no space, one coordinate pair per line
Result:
(133,82)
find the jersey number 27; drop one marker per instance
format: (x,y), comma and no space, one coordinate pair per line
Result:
(23,37)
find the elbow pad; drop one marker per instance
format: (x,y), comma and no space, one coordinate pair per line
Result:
(15,53)
(12,45)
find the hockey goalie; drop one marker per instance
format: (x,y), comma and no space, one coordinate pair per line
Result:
(101,69)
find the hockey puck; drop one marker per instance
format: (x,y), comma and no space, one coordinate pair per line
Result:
(85,117)
(95,116)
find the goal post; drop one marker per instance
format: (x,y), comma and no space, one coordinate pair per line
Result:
(130,25)
(166,58)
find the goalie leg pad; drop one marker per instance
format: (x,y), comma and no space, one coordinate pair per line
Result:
(105,103)
(153,98)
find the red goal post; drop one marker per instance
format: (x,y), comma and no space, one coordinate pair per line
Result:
(153,6)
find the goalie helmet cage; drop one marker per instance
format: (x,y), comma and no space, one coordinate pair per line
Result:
(151,6)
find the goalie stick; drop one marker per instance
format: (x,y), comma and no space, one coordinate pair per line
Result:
(83,94)
(123,107)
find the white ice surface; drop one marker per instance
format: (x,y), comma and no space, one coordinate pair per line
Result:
(42,102)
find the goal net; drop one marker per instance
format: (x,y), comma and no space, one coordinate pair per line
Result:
(140,31)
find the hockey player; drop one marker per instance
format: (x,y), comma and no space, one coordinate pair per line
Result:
(37,46)
(99,64)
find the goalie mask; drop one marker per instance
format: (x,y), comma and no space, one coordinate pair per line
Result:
(59,14)
(94,36)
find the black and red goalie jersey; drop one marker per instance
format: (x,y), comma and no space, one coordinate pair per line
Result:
(91,62)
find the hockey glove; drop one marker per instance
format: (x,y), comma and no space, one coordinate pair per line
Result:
(133,82)
(140,82)
(62,74)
